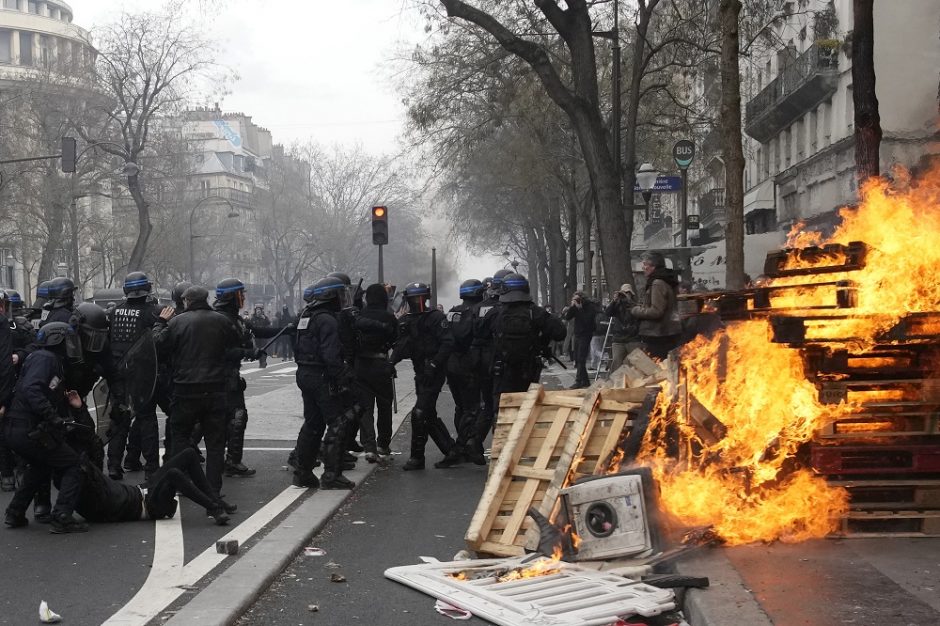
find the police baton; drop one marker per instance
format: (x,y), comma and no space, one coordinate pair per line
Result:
(264,348)
(394,396)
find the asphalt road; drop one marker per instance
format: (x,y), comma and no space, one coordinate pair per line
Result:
(89,577)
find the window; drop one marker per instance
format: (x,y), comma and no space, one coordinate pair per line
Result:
(9,4)
(204,188)
(6,268)
(825,112)
(813,130)
(849,109)
(6,46)
(26,48)
(33,7)
(799,140)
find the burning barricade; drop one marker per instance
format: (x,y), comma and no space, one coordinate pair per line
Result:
(812,412)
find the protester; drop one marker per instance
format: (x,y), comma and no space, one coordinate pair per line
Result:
(660,329)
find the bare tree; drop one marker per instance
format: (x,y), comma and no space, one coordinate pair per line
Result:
(729,12)
(149,66)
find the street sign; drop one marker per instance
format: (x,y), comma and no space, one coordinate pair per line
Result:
(692,222)
(664,183)
(684,153)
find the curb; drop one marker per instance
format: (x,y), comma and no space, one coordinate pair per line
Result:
(726,600)
(224,600)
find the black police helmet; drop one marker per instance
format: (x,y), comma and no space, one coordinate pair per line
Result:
(417,294)
(471,289)
(91,322)
(515,289)
(178,290)
(227,290)
(499,276)
(137,285)
(324,290)
(52,334)
(42,289)
(342,276)
(61,290)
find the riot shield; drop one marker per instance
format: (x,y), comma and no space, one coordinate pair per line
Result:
(100,396)
(138,369)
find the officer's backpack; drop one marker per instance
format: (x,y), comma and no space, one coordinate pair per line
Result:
(515,337)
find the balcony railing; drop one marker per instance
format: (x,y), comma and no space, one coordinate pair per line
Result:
(802,84)
(237,197)
(711,207)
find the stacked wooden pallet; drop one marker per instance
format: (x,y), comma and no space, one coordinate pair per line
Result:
(544,440)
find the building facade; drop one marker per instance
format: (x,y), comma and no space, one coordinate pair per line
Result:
(40,34)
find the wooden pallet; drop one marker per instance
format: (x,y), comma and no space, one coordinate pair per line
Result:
(891,495)
(544,439)
(882,424)
(915,523)
(876,459)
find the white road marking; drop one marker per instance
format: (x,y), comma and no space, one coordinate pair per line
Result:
(169,578)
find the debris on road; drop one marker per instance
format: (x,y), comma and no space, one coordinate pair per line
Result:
(451,611)
(312,551)
(313,608)
(47,615)
(337,578)
(229,547)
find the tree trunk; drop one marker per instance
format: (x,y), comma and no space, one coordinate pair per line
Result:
(575,223)
(729,12)
(143,222)
(867,118)
(556,255)
(531,259)
(55,221)
(74,246)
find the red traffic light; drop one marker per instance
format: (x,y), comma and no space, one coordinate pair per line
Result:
(378,211)
(379,225)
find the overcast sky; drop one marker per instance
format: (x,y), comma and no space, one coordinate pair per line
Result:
(307,68)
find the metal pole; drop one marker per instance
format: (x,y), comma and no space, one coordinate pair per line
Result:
(434,277)
(381,265)
(684,210)
(192,263)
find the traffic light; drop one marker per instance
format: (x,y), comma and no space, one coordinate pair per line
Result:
(69,154)
(379,225)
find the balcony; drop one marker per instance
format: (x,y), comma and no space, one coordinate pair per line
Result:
(802,84)
(711,208)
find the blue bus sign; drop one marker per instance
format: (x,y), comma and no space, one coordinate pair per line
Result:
(664,183)
(683,152)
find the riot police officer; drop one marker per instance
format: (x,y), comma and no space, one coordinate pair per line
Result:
(348,337)
(34,315)
(462,375)
(7,381)
(425,338)
(197,342)
(521,332)
(482,349)
(323,378)
(164,389)
(373,372)
(34,429)
(23,333)
(130,322)
(229,300)
(61,294)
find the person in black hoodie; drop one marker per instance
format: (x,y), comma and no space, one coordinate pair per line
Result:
(660,327)
(374,374)
(584,313)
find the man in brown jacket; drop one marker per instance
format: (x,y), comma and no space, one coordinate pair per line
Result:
(660,328)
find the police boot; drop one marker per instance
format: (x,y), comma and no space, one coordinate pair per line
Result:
(238,469)
(15,519)
(305,479)
(474,452)
(42,510)
(218,514)
(454,457)
(64,523)
(419,439)
(335,481)
(333,444)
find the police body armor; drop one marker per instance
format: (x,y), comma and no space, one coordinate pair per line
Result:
(463,360)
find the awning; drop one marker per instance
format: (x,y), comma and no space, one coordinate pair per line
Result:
(760,197)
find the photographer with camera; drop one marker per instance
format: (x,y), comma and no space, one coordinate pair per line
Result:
(584,313)
(619,308)
(35,429)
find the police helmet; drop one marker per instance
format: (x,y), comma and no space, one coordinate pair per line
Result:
(326,289)
(227,291)
(417,294)
(42,290)
(515,289)
(15,300)
(342,276)
(52,334)
(471,289)
(61,292)
(91,322)
(137,285)
(496,283)
(177,294)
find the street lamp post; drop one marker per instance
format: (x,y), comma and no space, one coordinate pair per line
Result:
(192,213)
(646,180)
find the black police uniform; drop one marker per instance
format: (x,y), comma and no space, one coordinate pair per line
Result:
(323,377)
(7,382)
(196,342)
(34,429)
(522,332)
(131,319)
(373,371)
(236,385)
(464,382)
(426,339)
(483,356)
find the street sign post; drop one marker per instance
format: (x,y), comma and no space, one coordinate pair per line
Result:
(683,153)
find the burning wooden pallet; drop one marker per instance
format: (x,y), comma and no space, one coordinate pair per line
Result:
(543,441)
(894,508)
